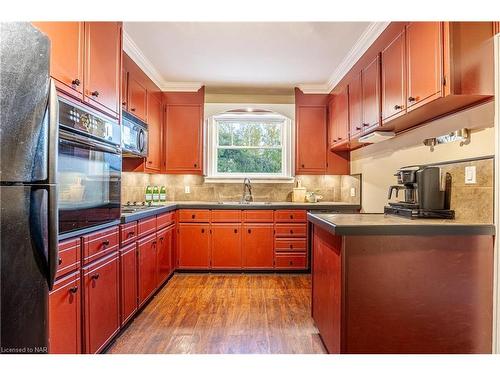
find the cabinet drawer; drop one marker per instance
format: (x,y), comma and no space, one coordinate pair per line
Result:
(128,233)
(288,245)
(146,226)
(194,216)
(258,216)
(291,261)
(69,257)
(290,216)
(100,243)
(226,216)
(291,230)
(164,220)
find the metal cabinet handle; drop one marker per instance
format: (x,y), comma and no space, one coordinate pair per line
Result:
(397,106)
(358,127)
(249,231)
(129,234)
(303,165)
(95,276)
(76,82)
(291,246)
(291,231)
(124,104)
(290,263)
(105,243)
(365,124)
(203,231)
(132,109)
(73,290)
(193,216)
(195,165)
(59,261)
(95,93)
(412,99)
(291,216)
(236,231)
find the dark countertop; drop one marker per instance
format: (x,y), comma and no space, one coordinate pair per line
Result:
(84,231)
(320,206)
(380,224)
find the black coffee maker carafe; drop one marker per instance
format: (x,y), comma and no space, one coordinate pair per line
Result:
(425,193)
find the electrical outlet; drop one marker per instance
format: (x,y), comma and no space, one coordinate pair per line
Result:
(353,192)
(187,189)
(470,174)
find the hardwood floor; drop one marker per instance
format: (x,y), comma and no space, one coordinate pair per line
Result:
(226,313)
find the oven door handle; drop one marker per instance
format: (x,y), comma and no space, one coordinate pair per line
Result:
(86,142)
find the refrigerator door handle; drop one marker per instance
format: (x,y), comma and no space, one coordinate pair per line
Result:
(44,228)
(53,108)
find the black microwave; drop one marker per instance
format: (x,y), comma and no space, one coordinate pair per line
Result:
(134,136)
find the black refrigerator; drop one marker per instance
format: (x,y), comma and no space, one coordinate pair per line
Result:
(28,189)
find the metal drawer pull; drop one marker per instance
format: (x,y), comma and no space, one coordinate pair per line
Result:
(105,243)
(73,290)
(59,261)
(95,277)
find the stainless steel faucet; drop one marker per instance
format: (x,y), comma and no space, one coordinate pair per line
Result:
(247,191)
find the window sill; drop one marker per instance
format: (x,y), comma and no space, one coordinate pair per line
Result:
(254,180)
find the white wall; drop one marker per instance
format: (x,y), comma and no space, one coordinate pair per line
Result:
(378,162)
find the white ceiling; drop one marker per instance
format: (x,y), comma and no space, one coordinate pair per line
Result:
(244,54)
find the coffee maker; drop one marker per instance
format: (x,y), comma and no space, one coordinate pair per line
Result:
(425,193)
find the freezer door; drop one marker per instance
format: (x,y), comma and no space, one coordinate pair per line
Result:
(24,99)
(28,256)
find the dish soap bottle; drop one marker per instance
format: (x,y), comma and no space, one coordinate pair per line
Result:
(148,197)
(156,195)
(163,194)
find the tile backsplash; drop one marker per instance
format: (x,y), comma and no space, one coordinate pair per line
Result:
(336,188)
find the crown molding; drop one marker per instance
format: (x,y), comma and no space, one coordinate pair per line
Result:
(148,68)
(371,33)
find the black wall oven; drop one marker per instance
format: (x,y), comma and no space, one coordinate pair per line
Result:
(89,168)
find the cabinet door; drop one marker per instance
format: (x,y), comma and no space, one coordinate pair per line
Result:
(128,284)
(66,48)
(326,287)
(258,250)
(393,79)
(148,271)
(226,246)
(193,243)
(370,79)
(355,106)
(102,65)
(311,139)
(101,303)
(183,138)
(165,248)
(424,53)
(340,117)
(153,161)
(137,98)
(65,316)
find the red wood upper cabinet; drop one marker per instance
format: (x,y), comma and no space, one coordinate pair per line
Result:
(103,66)
(137,98)
(124,95)
(183,138)
(128,282)
(370,78)
(153,161)
(258,246)
(311,139)
(424,54)
(101,302)
(165,238)
(193,246)
(355,106)
(148,271)
(394,79)
(226,246)
(66,60)
(65,316)
(340,118)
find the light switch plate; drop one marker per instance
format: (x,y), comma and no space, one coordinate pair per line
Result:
(187,189)
(470,174)
(353,192)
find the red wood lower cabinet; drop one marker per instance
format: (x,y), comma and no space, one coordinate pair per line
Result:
(326,287)
(165,239)
(101,302)
(65,321)
(193,246)
(258,251)
(226,246)
(148,271)
(128,285)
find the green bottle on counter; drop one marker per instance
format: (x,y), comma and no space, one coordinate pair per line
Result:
(148,197)
(156,195)
(163,194)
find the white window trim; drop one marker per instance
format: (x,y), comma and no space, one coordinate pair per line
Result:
(211,160)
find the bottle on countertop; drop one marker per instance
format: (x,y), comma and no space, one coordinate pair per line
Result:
(148,197)
(163,194)
(156,195)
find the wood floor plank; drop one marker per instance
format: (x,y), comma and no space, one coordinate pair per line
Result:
(224,314)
